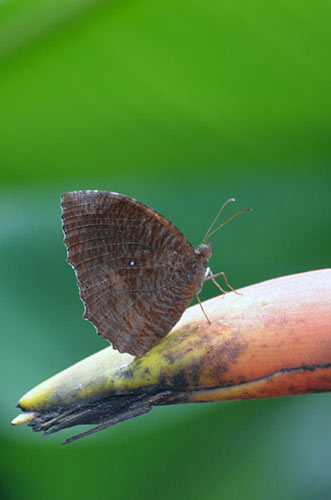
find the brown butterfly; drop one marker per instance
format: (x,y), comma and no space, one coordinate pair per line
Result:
(136,272)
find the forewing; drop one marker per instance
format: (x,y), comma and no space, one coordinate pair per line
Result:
(134,268)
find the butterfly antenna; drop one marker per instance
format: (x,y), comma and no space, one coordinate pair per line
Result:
(228,220)
(215,219)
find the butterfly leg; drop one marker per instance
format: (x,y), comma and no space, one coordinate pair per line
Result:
(202,309)
(210,276)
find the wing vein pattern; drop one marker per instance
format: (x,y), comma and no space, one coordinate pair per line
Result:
(136,271)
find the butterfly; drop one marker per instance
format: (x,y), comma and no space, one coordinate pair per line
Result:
(136,271)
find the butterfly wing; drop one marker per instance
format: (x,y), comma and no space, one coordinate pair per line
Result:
(135,270)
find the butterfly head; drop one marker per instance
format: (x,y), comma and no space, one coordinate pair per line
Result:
(204,250)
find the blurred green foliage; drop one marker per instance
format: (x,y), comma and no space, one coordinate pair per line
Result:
(180,105)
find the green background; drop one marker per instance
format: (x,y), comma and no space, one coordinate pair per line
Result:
(180,104)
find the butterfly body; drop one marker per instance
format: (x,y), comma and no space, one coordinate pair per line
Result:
(136,271)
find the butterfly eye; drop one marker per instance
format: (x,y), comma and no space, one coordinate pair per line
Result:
(132,263)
